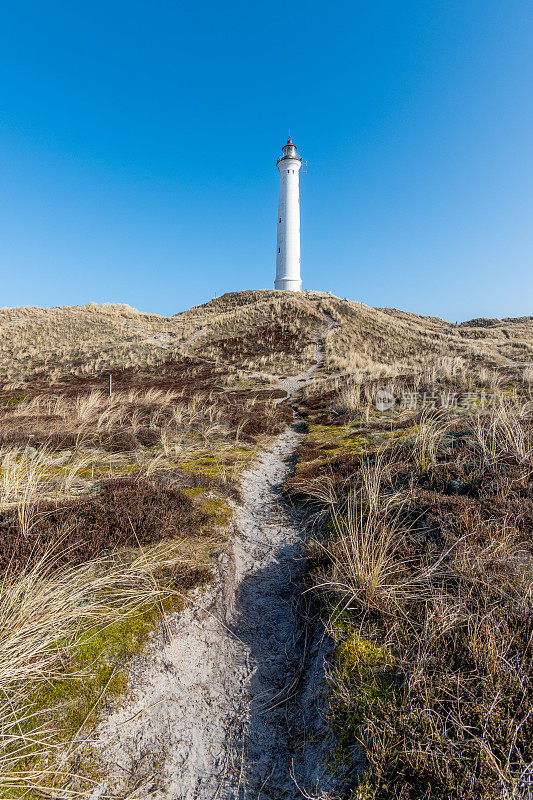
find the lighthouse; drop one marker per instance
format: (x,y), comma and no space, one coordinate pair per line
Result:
(288,249)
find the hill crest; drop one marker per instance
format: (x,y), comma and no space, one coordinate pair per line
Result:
(256,330)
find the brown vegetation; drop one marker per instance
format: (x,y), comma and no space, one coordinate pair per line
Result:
(126,512)
(256,331)
(112,508)
(426,561)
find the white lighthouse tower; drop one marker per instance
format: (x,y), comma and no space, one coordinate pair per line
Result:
(288,250)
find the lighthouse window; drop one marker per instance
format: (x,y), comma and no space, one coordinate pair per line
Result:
(280,219)
(279,249)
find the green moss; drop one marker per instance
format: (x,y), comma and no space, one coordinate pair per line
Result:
(14,400)
(215,466)
(339,440)
(129,469)
(194,491)
(242,452)
(510,388)
(343,440)
(362,682)
(402,433)
(330,432)
(94,674)
(97,470)
(207,465)
(359,655)
(101,655)
(219,511)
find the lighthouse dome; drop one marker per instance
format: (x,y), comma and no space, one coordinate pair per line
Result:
(289,151)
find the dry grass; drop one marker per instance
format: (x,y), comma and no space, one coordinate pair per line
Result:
(257,331)
(426,565)
(44,612)
(364,555)
(427,439)
(80,574)
(505,434)
(251,330)
(112,506)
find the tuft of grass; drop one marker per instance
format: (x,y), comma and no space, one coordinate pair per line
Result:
(425,563)
(364,553)
(427,439)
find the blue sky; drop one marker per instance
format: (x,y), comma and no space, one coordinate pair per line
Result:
(138,144)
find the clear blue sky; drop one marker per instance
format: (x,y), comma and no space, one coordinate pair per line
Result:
(138,143)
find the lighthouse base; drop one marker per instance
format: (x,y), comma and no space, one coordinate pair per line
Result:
(288,285)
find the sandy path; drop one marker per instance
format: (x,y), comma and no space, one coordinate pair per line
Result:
(230,705)
(510,362)
(194,336)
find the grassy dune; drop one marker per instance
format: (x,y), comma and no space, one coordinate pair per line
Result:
(247,331)
(113,508)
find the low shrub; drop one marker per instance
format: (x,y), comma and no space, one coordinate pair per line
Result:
(123,513)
